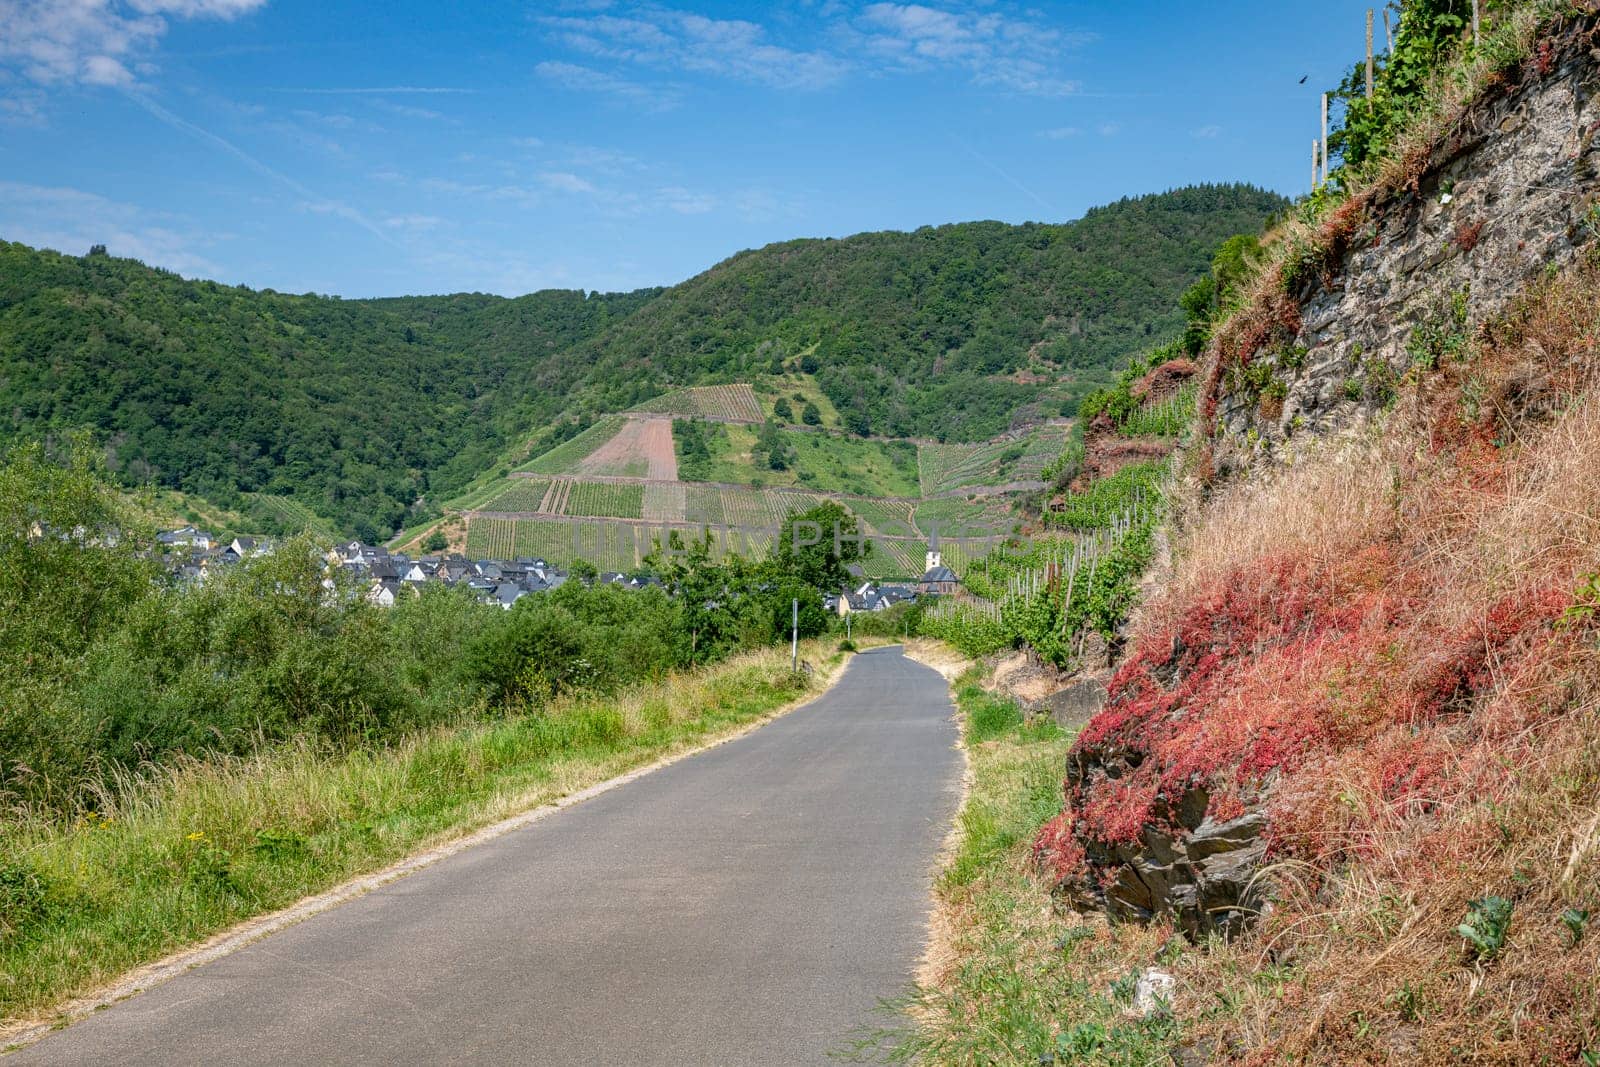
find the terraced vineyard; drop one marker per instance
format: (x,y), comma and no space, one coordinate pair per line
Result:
(521,494)
(953,468)
(735,403)
(703,504)
(565,457)
(605,500)
(954,517)
(889,517)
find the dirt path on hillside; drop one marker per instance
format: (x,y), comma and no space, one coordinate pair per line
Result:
(643,447)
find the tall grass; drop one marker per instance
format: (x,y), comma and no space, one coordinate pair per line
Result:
(169,857)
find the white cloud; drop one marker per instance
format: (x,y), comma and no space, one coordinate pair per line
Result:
(1207,131)
(92,42)
(587,80)
(1060,133)
(685,201)
(993,49)
(565,182)
(71,220)
(1110,129)
(685,41)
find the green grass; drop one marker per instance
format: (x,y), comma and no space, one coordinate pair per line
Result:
(822,461)
(170,859)
(1029,983)
(798,389)
(565,457)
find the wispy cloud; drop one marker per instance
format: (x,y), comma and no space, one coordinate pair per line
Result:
(374,90)
(994,49)
(93,42)
(313,200)
(1207,132)
(587,80)
(71,220)
(1060,133)
(406,111)
(688,42)
(564,182)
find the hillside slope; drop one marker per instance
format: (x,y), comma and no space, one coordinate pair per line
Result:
(1351,749)
(350,408)
(913,334)
(370,413)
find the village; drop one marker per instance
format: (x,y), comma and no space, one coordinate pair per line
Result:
(192,555)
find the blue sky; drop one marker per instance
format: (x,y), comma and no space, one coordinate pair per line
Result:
(366,148)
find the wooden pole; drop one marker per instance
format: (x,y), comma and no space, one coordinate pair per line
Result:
(794,642)
(1474,22)
(1316,157)
(1324,137)
(1388,34)
(1369,56)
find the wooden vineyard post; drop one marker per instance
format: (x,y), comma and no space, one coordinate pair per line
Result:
(1324,137)
(1369,57)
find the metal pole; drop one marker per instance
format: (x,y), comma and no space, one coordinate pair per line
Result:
(794,641)
(1388,34)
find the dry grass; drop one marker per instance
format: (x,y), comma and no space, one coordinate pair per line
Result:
(1414,595)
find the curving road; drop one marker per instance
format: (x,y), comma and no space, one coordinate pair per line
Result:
(748,905)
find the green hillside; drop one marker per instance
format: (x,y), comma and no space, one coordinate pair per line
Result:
(354,410)
(910,334)
(366,414)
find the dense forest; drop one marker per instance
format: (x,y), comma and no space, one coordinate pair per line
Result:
(370,412)
(914,333)
(351,408)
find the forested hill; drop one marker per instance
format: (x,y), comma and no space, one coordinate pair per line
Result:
(912,333)
(360,409)
(352,409)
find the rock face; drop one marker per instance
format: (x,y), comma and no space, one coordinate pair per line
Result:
(1511,195)
(1197,871)
(1075,705)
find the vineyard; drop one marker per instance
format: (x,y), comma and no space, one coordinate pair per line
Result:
(734,403)
(520,494)
(604,500)
(955,517)
(291,513)
(892,518)
(952,468)
(665,502)
(565,457)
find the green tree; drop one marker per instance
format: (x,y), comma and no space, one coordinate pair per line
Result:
(818,546)
(811,415)
(782,410)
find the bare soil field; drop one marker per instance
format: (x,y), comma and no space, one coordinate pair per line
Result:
(641,449)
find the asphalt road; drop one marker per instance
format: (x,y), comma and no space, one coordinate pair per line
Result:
(748,905)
